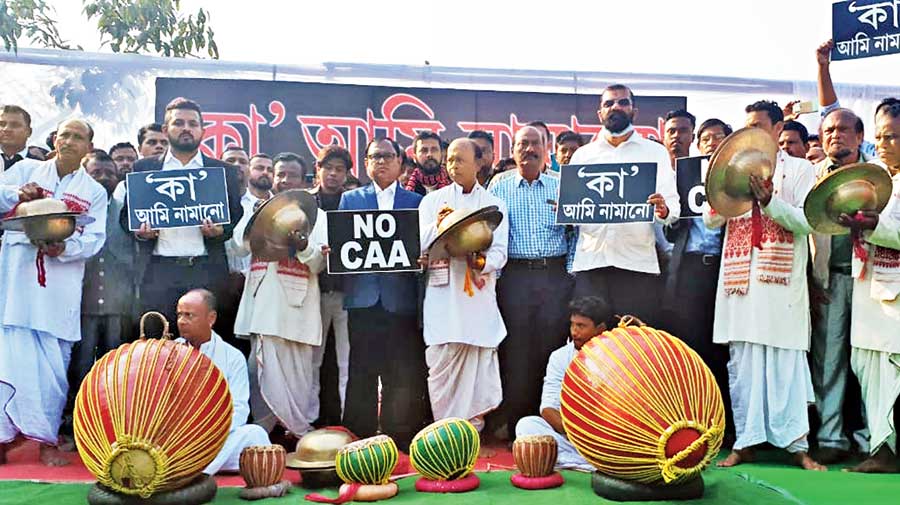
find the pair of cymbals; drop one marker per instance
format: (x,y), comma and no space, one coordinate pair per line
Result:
(746,152)
(282,224)
(855,187)
(466,231)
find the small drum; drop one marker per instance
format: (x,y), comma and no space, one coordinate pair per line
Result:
(535,455)
(445,450)
(262,465)
(368,461)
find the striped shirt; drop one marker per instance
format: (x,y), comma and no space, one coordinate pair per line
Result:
(533,233)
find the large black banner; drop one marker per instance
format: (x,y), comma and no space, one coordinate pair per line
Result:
(271,117)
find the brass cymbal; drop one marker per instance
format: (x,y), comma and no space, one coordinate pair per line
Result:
(466,231)
(859,186)
(288,214)
(744,152)
(318,449)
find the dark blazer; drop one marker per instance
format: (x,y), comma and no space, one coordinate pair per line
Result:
(215,247)
(396,291)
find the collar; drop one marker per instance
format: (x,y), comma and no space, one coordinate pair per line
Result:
(197,159)
(207,348)
(391,189)
(605,134)
(459,189)
(520,180)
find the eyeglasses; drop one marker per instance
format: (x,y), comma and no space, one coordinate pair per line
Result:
(624,102)
(381,156)
(706,139)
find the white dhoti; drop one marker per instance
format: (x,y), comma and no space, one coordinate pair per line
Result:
(463,381)
(567,455)
(33,384)
(229,458)
(879,378)
(770,390)
(281,380)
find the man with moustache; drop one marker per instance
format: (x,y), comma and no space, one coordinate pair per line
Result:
(689,298)
(874,335)
(535,287)
(15,128)
(40,300)
(152,142)
(174,260)
(762,310)
(678,133)
(108,296)
(832,257)
(280,314)
(124,155)
(794,139)
(589,316)
(619,262)
(462,323)
(429,174)
(386,347)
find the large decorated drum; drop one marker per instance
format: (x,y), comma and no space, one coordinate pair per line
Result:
(444,452)
(150,416)
(641,406)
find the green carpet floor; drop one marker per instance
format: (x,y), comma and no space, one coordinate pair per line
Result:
(769,484)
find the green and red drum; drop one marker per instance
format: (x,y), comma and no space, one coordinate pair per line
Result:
(444,452)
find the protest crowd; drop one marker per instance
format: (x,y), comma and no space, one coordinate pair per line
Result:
(800,329)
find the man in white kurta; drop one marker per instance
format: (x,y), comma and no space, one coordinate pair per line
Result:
(196,316)
(280,314)
(762,308)
(462,327)
(875,321)
(41,323)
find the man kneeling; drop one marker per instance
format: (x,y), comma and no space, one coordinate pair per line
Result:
(588,317)
(196,316)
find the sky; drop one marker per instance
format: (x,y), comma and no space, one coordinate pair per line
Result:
(769,39)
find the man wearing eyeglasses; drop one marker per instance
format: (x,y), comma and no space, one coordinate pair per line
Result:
(618,262)
(385,341)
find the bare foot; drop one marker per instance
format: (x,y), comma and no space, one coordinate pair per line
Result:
(802,459)
(737,457)
(882,462)
(51,456)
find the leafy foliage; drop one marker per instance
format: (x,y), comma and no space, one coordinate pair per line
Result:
(128,26)
(31,18)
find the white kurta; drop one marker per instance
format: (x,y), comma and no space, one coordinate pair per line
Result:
(39,325)
(875,329)
(231,363)
(768,328)
(281,314)
(462,332)
(772,314)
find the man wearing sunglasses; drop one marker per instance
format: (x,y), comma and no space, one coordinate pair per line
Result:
(618,262)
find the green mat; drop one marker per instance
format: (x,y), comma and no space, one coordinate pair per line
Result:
(769,484)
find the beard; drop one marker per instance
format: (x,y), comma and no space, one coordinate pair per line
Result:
(261,183)
(430,167)
(617,121)
(184,146)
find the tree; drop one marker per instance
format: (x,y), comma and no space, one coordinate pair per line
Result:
(126,26)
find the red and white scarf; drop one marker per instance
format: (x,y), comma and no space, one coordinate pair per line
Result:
(292,275)
(774,262)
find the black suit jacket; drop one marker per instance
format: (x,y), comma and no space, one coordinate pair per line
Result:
(215,247)
(677,233)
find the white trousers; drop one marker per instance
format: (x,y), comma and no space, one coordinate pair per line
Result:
(879,377)
(567,455)
(229,458)
(281,380)
(33,384)
(463,381)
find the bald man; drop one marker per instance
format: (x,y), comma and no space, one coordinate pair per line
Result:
(462,323)
(535,288)
(40,292)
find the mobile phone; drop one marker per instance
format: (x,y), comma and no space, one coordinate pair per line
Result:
(806,107)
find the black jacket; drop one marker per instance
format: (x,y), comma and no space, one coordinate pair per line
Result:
(215,247)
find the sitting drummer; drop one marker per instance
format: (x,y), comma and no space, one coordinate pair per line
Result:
(196,316)
(588,318)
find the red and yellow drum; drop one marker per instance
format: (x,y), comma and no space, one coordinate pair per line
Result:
(641,406)
(150,416)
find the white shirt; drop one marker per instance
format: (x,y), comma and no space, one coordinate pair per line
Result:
(385,196)
(630,246)
(56,308)
(180,241)
(556,370)
(233,366)
(449,314)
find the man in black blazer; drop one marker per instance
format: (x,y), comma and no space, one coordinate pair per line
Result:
(172,261)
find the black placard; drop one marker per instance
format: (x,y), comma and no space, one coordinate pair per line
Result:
(177,198)
(606,193)
(368,241)
(691,189)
